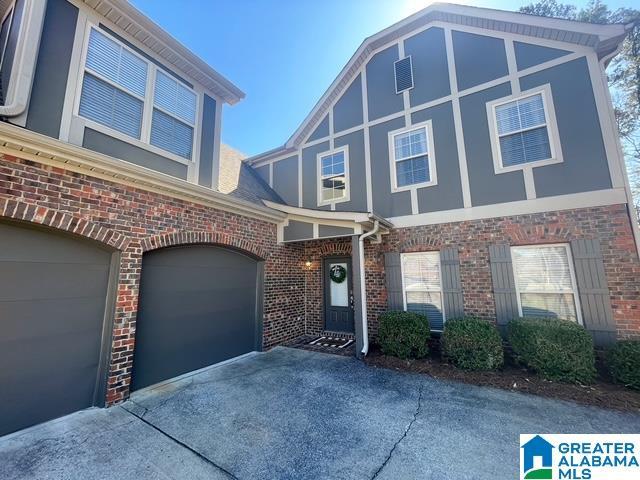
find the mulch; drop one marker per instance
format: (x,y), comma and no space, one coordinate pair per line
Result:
(603,393)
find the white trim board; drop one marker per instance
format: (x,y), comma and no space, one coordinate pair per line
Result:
(614,196)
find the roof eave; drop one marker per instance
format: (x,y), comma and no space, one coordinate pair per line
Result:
(223,87)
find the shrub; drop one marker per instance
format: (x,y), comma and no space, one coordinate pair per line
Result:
(624,363)
(404,334)
(472,344)
(557,349)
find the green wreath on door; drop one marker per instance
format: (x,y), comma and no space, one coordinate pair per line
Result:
(337,273)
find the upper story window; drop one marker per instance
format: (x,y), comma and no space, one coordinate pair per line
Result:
(545,282)
(5,27)
(422,286)
(412,160)
(523,131)
(333,176)
(116,93)
(174,116)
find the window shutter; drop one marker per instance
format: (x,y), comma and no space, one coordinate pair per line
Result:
(593,291)
(393,274)
(171,134)
(404,74)
(504,287)
(451,284)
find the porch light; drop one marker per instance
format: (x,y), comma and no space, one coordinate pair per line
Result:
(308,264)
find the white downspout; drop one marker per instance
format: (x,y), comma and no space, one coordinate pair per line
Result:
(24,64)
(363,287)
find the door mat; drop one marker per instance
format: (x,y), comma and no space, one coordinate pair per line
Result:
(334,342)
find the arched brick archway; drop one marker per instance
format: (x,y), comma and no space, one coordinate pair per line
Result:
(173,239)
(40,215)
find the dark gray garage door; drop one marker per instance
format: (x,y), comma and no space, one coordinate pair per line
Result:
(197,306)
(52,302)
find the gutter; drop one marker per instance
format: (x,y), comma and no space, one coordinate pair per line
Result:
(24,63)
(363,287)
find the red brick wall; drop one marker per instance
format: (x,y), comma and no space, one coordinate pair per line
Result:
(610,224)
(133,221)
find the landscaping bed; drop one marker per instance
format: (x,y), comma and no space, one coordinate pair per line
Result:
(603,393)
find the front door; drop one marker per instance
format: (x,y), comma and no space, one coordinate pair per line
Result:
(338,295)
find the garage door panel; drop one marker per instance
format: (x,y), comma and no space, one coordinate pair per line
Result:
(52,320)
(53,291)
(197,307)
(20,243)
(36,280)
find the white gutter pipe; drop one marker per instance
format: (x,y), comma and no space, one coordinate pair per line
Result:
(24,63)
(363,287)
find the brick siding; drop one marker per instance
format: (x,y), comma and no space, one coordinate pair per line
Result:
(134,221)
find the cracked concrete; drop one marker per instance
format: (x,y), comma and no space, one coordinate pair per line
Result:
(300,415)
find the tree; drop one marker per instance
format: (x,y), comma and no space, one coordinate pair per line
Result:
(623,73)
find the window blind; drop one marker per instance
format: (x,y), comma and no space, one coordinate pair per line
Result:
(171,134)
(112,61)
(411,157)
(174,98)
(421,278)
(110,106)
(544,282)
(522,131)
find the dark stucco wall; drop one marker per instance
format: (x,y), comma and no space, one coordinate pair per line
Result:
(52,68)
(430,70)
(347,112)
(486,186)
(385,203)
(113,147)
(357,175)
(529,55)
(479,58)
(381,89)
(207,142)
(585,164)
(310,175)
(447,194)
(285,179)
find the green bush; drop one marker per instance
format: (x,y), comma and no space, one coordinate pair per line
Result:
(624,363)
(557,349)
(472,344)
(404,334)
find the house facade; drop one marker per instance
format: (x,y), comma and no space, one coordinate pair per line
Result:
(465,161)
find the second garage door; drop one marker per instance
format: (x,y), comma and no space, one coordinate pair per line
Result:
(198,305)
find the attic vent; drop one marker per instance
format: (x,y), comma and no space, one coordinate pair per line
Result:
(404,74)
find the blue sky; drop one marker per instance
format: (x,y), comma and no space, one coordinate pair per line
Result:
(283,54)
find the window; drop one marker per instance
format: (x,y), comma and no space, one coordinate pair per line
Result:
(545,282)
(116,94)
(522,131)
(422,286)
(174,115)
(114,86)
(334,177)
(412,162)
(403,70)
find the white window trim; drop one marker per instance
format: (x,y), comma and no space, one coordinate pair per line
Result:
(574,284)
(431,157)
(395,77)
(404,290)
(550,122)
(147,112)
(347,189)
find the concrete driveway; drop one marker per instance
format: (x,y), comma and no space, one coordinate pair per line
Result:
(296,414)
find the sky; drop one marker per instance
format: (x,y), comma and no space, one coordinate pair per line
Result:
(283,54)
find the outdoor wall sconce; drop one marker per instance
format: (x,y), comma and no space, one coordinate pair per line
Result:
(308,264)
